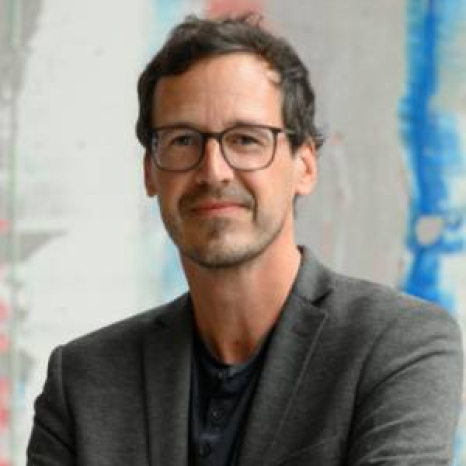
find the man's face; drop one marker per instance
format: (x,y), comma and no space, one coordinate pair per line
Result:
(216,215)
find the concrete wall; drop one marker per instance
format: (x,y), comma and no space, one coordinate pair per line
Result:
(80,244)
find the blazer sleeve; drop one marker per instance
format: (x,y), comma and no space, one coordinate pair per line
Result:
(409,395)
(51,442)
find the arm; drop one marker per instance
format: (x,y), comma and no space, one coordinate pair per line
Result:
(51,442)
(409,394)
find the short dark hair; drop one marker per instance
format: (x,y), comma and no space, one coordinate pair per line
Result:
(195,39)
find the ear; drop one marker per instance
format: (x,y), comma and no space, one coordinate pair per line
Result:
(306,168)
(149,175)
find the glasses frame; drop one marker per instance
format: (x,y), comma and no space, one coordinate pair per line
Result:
(218,136)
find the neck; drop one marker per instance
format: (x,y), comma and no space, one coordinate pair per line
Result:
(235,308)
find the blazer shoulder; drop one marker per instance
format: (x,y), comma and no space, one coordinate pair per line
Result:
(366,304)
(126,332)
(362,308)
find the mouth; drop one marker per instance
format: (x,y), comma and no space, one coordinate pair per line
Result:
(216,208)
(216,203)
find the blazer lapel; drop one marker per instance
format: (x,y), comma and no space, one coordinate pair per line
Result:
(167,368)
(289,355)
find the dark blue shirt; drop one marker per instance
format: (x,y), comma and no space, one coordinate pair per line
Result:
(221,395)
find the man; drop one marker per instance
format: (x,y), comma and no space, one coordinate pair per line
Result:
(271,358)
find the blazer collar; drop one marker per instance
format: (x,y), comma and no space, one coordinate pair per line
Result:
(167,369)
(314,280)
(295,337)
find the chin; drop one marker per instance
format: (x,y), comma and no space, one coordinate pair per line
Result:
(219,245)
(227,253)
(221,259)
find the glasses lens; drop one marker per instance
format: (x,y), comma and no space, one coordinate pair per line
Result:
(248,147)
(177,148)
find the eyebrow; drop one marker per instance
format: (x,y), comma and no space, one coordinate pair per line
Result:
(230,124)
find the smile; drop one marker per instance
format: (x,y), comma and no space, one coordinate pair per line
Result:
(214,208)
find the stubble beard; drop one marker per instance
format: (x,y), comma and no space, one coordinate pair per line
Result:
(218,246)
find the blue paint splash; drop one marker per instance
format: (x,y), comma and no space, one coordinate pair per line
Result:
(166,13)
(435,155)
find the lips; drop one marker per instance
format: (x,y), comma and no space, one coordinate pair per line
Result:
(205,198)
(215,206)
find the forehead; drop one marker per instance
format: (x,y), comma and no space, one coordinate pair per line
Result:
(218,91)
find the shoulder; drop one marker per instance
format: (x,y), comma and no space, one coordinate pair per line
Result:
(382,336)
(384,326)
(120,340)
(360,311)
(368,302)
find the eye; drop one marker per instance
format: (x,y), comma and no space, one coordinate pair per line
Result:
(239,138)
(178,138)
(244,139)
(247,139)
(187,139)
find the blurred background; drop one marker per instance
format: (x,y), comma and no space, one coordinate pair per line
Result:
(80,244)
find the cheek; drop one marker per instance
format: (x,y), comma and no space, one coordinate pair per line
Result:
(281,185)
(170,190)
(275,194)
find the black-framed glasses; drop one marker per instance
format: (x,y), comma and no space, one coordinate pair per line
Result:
(244,147)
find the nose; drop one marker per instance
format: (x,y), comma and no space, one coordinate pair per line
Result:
(214,169)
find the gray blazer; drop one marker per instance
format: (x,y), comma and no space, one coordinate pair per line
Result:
(356,374)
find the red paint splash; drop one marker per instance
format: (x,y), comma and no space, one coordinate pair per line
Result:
(215,8)
(3,225)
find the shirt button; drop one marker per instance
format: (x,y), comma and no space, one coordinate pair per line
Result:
(217,414)
(204,450)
